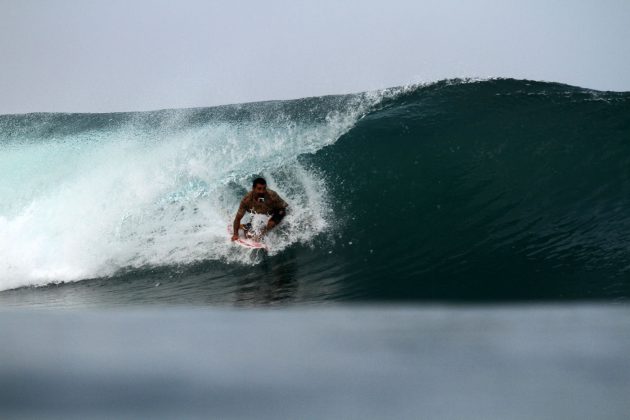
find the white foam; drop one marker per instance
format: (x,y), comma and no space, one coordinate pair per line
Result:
(85,206)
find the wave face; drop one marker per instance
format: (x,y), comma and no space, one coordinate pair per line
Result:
(458,190)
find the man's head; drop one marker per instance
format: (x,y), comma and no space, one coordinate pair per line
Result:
(259,187)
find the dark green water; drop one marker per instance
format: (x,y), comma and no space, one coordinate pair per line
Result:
(496,190)
(499,190)
(506,199)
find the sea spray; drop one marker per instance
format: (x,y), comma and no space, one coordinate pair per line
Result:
(457,190)
(85,195)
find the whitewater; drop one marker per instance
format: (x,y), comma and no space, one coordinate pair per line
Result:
(86,195)
(419,216)
(456,190)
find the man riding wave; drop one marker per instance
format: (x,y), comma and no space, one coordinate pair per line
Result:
(260,200)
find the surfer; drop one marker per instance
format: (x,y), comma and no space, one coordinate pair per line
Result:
(260,200)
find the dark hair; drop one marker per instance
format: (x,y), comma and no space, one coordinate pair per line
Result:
(259,181)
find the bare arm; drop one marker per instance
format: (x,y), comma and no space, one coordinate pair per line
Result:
(236,225)
(279,212)
(237,220)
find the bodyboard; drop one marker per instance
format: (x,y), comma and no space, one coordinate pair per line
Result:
(244,241)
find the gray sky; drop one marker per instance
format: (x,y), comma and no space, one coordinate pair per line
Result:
(113,55)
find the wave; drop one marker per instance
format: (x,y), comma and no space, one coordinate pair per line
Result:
(86,195)
(487,190)
(454,190)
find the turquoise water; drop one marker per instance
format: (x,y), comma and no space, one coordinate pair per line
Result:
(453,250)
(458,190)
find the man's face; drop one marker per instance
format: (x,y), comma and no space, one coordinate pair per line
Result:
(260,189)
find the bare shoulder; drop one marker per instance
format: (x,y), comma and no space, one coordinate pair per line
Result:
(274,196)
(247,198)
(276,199)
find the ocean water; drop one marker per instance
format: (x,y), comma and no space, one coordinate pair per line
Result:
(458,191)
(442,239)
(325,362)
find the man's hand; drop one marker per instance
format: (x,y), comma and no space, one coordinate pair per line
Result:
(235,237)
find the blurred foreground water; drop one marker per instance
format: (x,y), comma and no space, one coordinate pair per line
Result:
(477,362)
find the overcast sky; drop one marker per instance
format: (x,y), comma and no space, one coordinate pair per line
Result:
(112,55)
